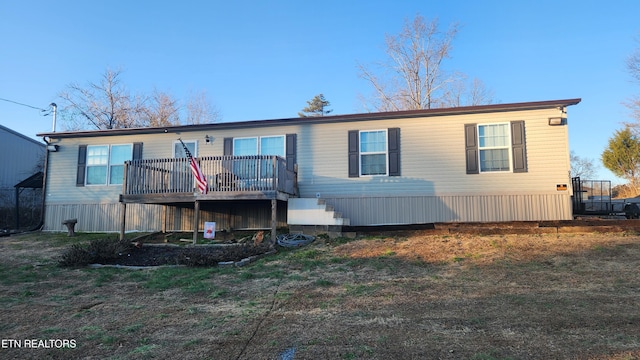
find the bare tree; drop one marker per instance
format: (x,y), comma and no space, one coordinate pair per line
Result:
(582,167)
(108,105)
(413,76)
(161,109)
(633,66)
(200,110)
(103,105)
(460,92)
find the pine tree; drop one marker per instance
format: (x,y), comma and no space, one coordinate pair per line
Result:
(316,107)
(622,157)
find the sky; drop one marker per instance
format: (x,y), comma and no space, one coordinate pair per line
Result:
(258,60)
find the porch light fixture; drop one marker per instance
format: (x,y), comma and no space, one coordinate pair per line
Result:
(208,139)
(554,121)
(52,148)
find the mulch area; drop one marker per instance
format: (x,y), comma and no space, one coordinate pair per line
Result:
(199,255)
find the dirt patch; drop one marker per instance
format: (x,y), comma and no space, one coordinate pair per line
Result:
(202,255)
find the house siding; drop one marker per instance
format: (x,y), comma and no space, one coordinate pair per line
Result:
(149,218)
(432,186)
(433,159)
(434,209)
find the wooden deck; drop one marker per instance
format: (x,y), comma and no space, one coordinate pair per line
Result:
(167,181)
(170,182)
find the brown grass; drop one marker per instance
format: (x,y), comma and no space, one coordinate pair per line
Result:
(406,296)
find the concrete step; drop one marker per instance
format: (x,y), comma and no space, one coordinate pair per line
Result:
(313,211)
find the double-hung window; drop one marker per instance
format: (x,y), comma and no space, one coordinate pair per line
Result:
(105,163)
(494,146)
(373,152)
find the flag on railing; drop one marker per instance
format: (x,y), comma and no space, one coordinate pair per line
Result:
(201,180)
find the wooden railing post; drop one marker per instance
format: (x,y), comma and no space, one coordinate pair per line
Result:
(224,173)
(274,173)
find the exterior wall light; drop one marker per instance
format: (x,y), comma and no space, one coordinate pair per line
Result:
(554,121)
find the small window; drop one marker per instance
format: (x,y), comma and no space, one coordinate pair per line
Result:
(373,152)
(494,145)
(105,164)
(178,149)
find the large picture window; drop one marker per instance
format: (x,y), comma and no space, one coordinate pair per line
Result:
(105,163)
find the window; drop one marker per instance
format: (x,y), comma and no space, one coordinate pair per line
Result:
(264,145)
(498,147)
(178,149)
(105,164)
(373,152)
(494,146)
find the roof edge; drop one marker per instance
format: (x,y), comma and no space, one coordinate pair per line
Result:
(23,136)
(322,119)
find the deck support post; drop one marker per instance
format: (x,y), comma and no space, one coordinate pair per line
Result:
(196,220)
(274,220)
(164,219)
(123,220)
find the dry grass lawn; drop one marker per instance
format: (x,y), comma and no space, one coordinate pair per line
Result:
(408,295)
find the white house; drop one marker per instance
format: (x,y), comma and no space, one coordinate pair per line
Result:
(502,162)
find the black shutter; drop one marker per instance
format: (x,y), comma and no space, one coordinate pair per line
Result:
(137,151)
(518,147)
(471,147)
(393,135)
(354,154)
(228,146)
(291,151)
(82,164)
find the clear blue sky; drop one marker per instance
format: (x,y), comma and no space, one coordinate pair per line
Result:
(264,59)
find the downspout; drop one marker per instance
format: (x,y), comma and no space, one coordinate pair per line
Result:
(45,171)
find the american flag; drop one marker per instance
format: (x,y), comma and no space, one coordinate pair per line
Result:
(201,180)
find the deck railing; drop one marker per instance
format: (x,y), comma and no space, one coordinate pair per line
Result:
(223,174)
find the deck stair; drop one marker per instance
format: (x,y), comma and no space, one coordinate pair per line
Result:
(314,216)
(312,211)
